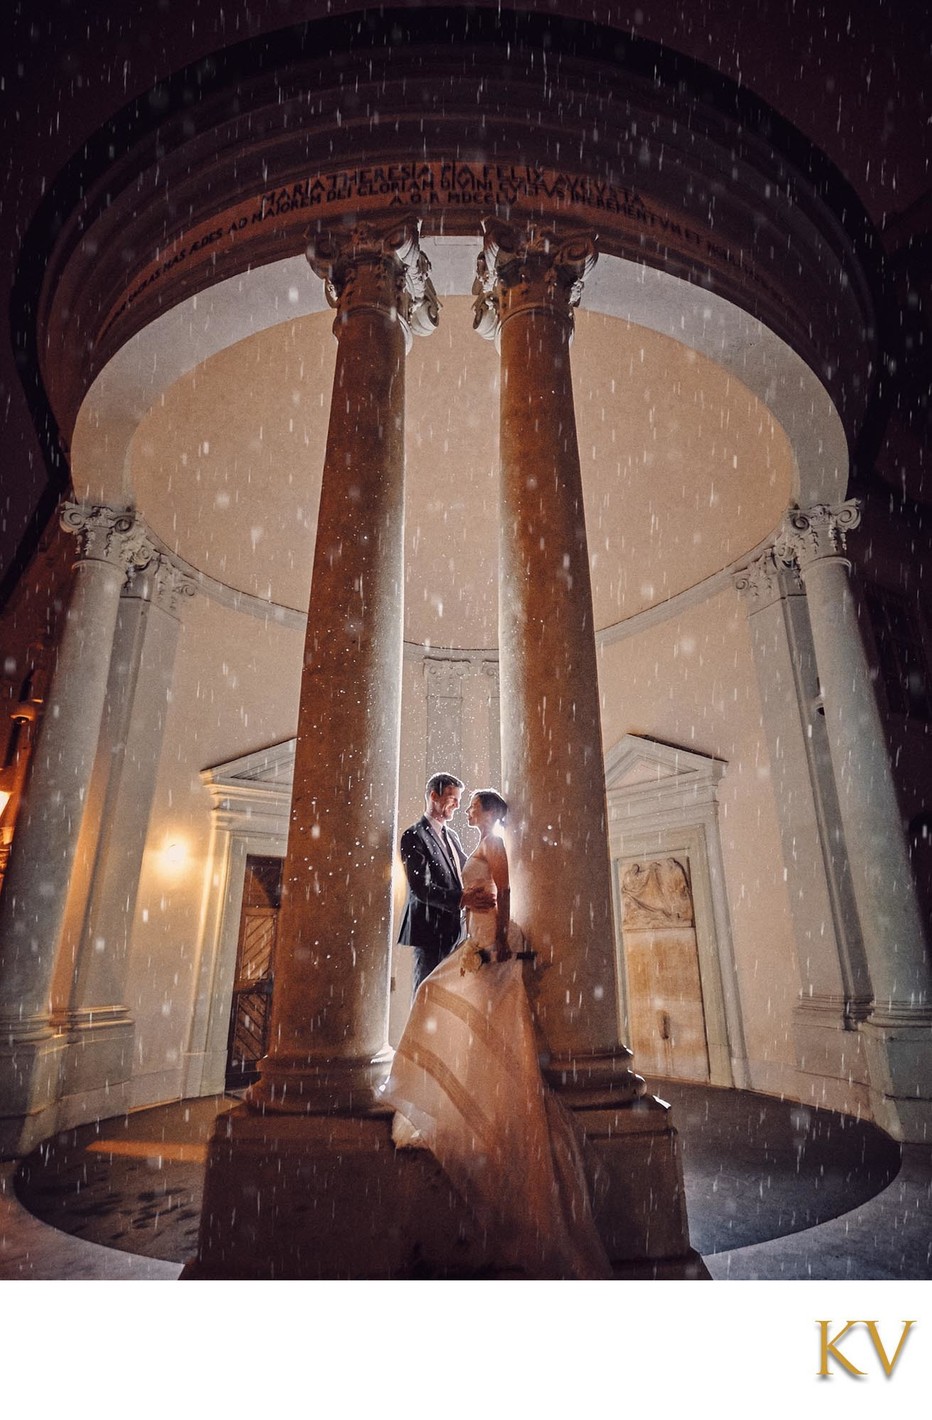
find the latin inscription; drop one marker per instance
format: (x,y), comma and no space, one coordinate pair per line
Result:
(433,187)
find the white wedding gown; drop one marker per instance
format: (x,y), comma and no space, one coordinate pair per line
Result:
(466,1084)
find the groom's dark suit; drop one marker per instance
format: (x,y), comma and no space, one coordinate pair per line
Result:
(433,922)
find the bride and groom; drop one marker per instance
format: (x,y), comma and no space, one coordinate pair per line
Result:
(466,1080)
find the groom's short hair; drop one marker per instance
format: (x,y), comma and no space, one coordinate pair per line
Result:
(439,783)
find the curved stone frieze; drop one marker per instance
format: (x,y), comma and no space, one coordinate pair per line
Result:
(239,162)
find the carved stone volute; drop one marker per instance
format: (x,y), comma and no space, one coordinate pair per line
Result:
(379,269)
(522,269)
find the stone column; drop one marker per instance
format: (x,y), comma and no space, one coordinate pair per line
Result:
(89,992)
(330,1016)
(39,879)
(834,982)
(899,1029)
(553,771)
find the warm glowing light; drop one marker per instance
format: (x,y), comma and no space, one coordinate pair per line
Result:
(5,797)
(174,855)
(155,1152)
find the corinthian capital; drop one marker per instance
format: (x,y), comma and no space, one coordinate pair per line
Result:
(809,534)
(378,269)
(528,268)
(766,580)
(108,535)
(160,581)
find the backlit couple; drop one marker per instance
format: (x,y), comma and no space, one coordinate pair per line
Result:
(466,1080)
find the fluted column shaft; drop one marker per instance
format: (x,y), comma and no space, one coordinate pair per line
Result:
(328,1044)
(553,771)
(37,884)
(833,971)
(91,982)
(880,873)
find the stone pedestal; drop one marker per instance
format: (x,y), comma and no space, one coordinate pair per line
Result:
(329,1196)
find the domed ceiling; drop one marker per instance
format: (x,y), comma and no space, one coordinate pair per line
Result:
(684,469)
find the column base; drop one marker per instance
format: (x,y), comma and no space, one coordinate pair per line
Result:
(204,1073)
(830,1054)
(30,1072)
(329,1197)
(583,1081)
(642,1219)
(898,1044)
(295,1085)
(96,1064)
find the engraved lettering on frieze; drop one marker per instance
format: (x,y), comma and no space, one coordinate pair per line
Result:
(419,187)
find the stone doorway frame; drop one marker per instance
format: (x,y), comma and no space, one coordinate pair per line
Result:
(251,806)
(663,801)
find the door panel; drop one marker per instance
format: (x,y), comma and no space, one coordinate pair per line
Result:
(255,962)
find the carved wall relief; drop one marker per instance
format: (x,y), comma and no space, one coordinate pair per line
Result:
(665,1007)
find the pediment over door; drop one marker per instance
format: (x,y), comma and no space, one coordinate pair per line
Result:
(644,777)
(663,811)
(254,790)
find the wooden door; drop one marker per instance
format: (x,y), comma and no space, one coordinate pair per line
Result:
(255,962)
(665,1008)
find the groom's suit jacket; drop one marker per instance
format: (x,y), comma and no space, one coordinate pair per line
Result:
(432,916)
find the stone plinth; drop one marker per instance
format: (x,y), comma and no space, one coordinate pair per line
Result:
(329,1197)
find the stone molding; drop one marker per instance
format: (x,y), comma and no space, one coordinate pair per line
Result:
(105,535)
(380,269)
(445,677)
(528,268)
(765,580)
(809,535)
(663,799)
(161,581)
(122,539)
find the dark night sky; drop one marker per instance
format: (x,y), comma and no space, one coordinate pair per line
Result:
(853,75)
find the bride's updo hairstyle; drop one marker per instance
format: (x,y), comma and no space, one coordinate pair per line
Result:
(490,801)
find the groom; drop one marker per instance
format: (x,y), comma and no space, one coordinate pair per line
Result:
(433,858)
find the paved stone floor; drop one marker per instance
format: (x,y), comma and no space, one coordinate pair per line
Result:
(774,1190)
(778,1191)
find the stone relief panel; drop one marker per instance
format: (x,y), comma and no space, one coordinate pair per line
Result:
(666,1008)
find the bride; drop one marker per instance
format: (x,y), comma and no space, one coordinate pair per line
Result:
(466,1084)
